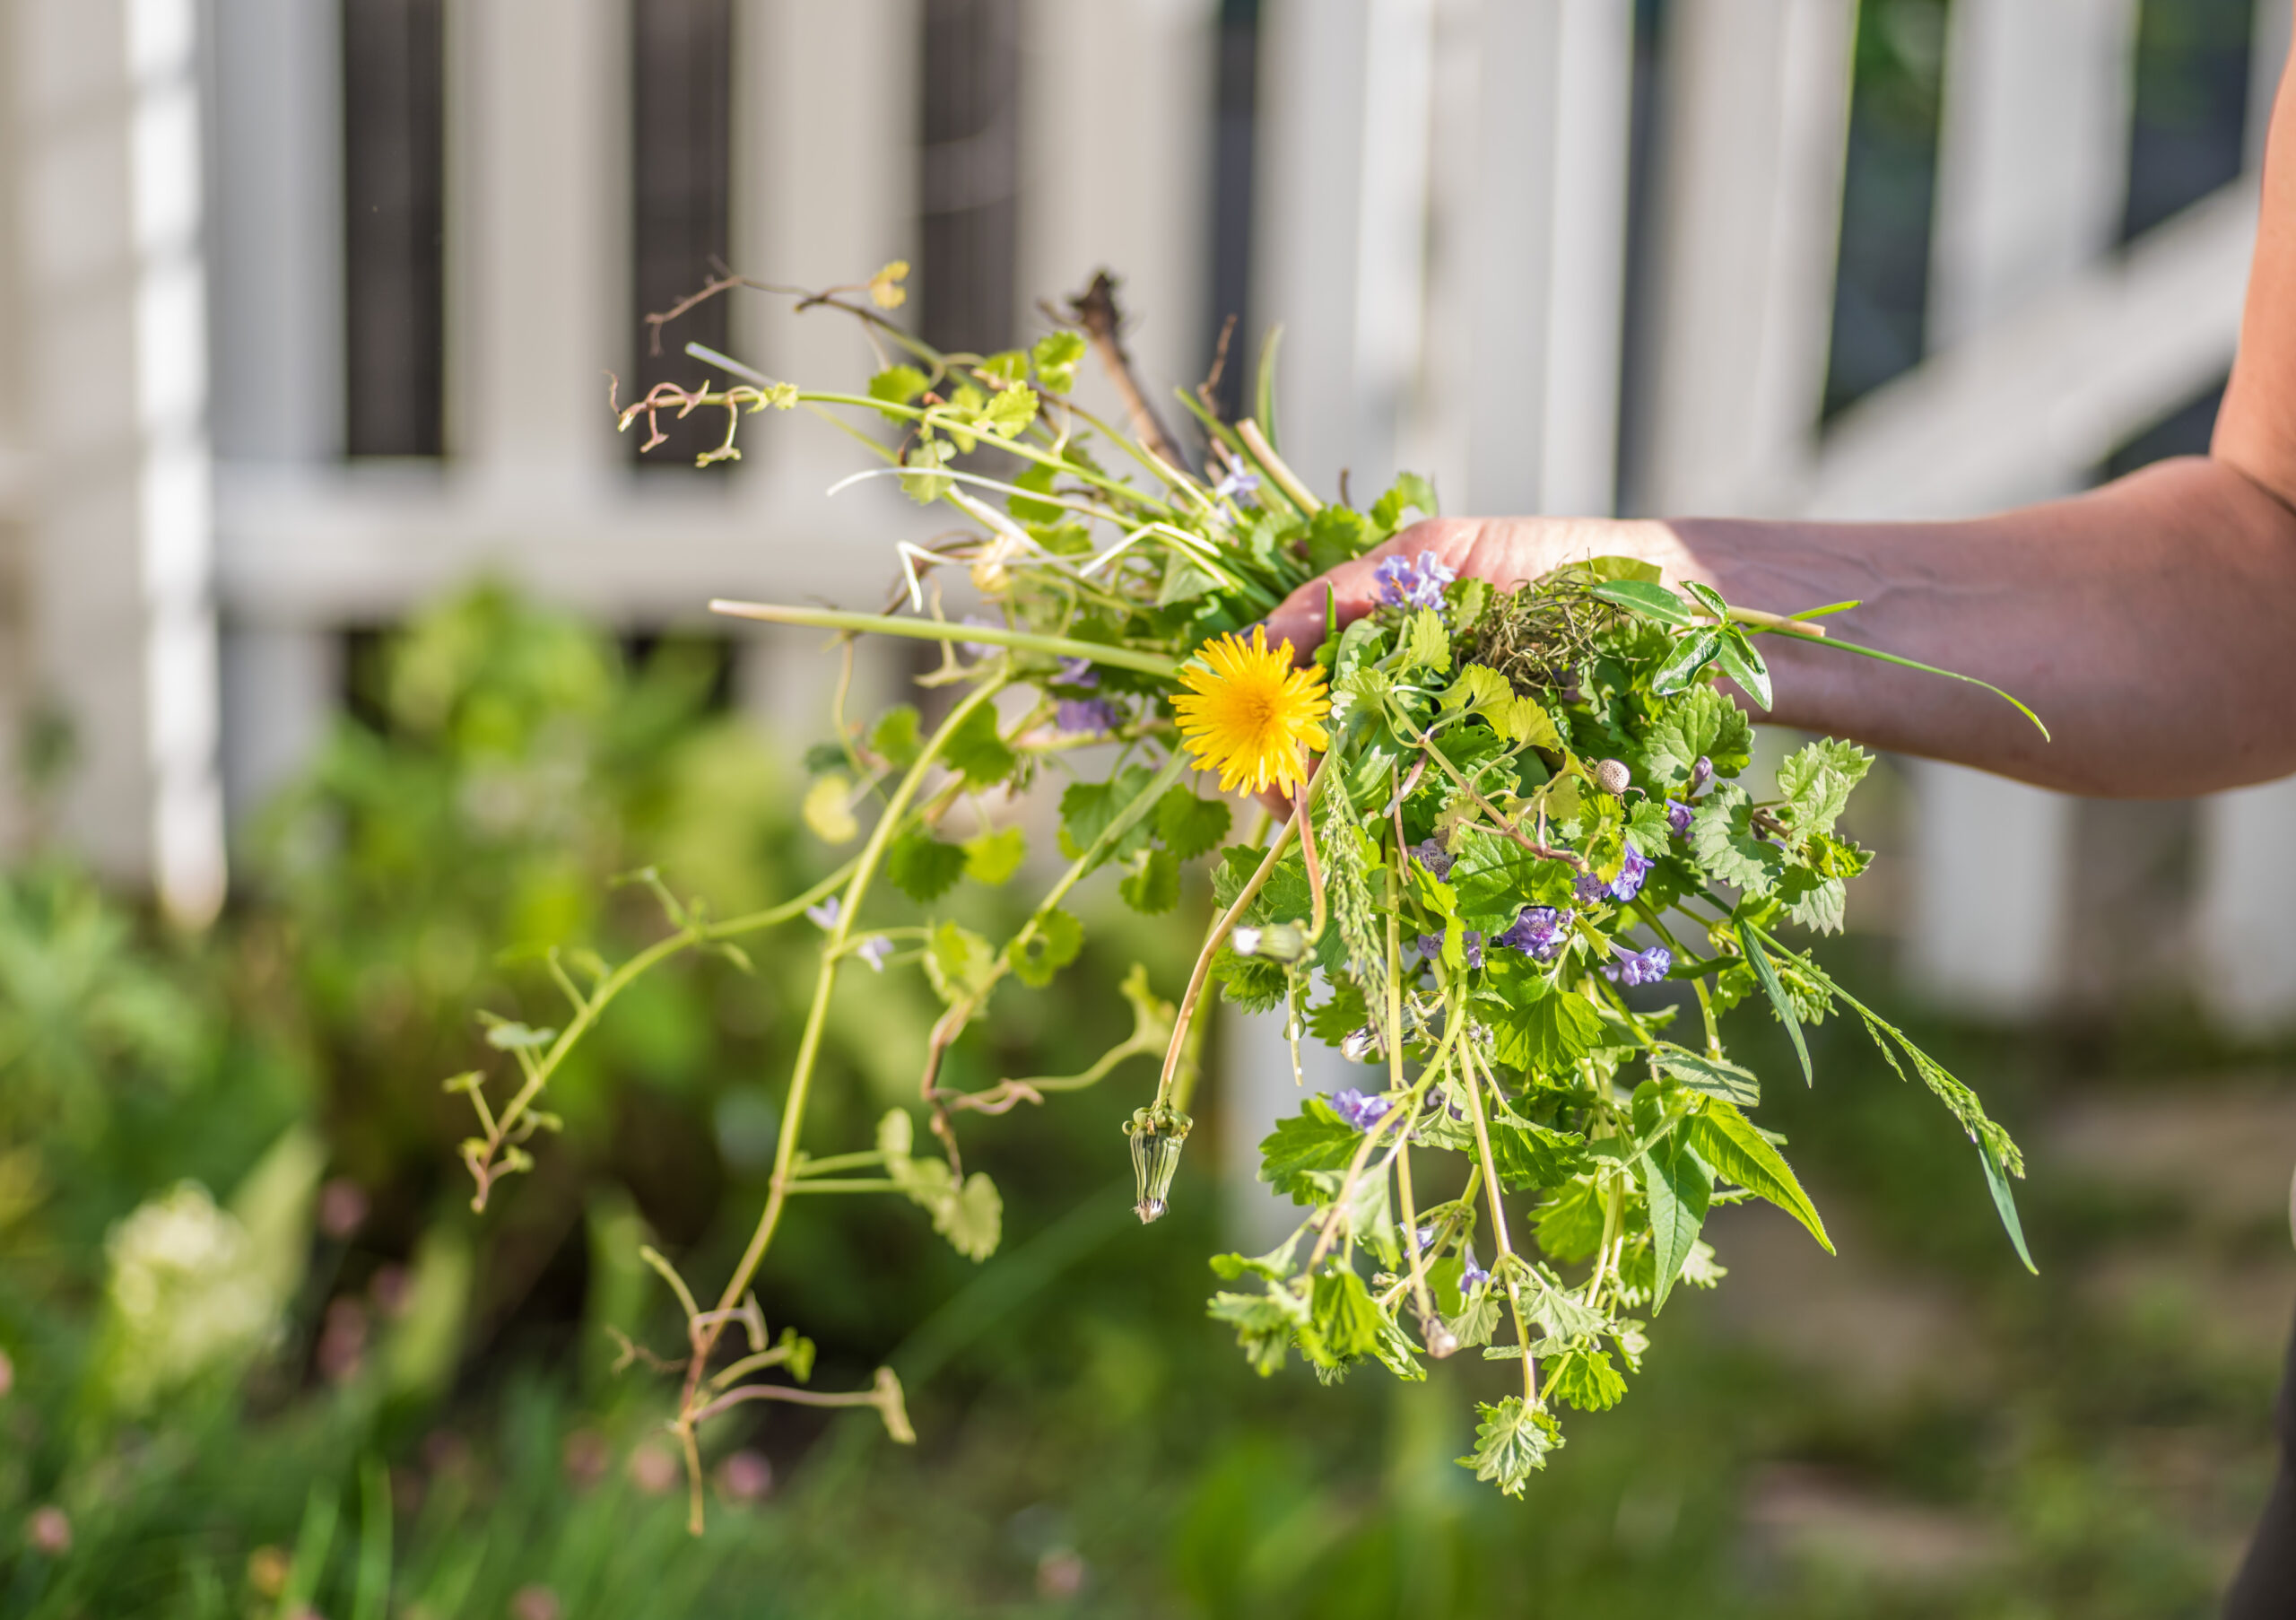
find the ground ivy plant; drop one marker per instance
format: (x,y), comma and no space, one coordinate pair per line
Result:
(1519,873)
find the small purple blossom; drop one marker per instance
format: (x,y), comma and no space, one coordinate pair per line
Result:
(1076,672)
(1623,888)
(1471,942)
(1426,1239)
(1413,584)
(1437,860)
(1086,714)
(1471,1275)
(1639,967)
(1539,933)
(825,914)
(1678,817)
(1238,486)
(874,951)
(1359,1111)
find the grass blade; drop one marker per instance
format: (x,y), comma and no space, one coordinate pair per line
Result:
(1777,994)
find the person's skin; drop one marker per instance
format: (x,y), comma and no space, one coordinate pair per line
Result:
(2150,623)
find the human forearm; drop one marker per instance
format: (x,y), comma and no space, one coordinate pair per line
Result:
(2148,624)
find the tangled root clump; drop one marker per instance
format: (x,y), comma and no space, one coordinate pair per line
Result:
(1540,633)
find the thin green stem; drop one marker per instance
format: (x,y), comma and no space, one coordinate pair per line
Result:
(940,630)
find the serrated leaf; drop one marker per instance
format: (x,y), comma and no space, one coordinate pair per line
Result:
(1569,1225)
(1529,1155)
(959,964)
(1010,411)
(1004,367)
(1729,1142)
(1677,1186)
(827,810)
(1426,644)
(897,385)
(895,737)
(1557,1031)
(1153,887)
(1058,937)
(1335,536)
(1585,1379)
(978,753)
(1478,686)
(1478,1318)
(972,1220)
(1087,809)
(1057,355)
(1494,878)
(1511,1445)
(1703,723)
(1712,1076)
(993,857)
(1313,1139)
(1343,1321)
(1523,719)
(1189,826)
(1816,782)
(923,868)
(1410,491)
(1725,841)
(1264,1324)
(1813,901)
(920,480)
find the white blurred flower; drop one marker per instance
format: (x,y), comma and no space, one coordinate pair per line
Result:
(187,1294)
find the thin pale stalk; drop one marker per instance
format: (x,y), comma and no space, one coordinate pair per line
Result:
(940,630)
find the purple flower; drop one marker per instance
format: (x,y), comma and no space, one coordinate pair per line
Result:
(1076,672)
(980,650)
(1678,817)
(1412,584)
(1539,932)
(1086,714)
(1238,485)
(1359,1111)
(1431,946)
(1426,1239)
(1471,1275)
(874,951)
(824,915)
(1637,967)
(1623,888)
(1437,860)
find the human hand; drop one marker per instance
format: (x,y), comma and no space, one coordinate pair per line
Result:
(1504,550)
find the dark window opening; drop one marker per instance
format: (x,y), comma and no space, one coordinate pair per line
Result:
(1637,347)
(970,174)
(682,186)
(1235,113)
(2190,132)
(394,174)
(1888,189)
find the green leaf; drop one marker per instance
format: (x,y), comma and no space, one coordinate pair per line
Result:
(897,385)
(1522,720)
(1495,878)
(1345,1323)
(1410,491)
(1651,600)
(921,482)
(972,1220)
(1727,845)
(923,868)
(1057,355)
(1569,1225)
(828,809)
(1478,1316)
(2005,1202)
(1313,1139)
(1704,722)
(1184,581)
(976,752)
(960,963)
(1709,1076)
(1478,686)
(1585,1379)
(1511,1445)
(1087,809)
(1252,983)
(1426,644)
(1058,937)
(1728,1140)
(1646,826)
(1776,992)
(1188,826)
(1691,654)
(1010,411)
(1335,536)
(1264,1324)
(1530,1155)
(1678,1187)
(1037,480)
(1332,1021)
(1153,887)
(1743,664)
(1557,1029)
(1816,780)
(993,857)
(505,1036)
(895,737)
(1004,367)
(1813,901)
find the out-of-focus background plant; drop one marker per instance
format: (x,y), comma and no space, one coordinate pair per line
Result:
(278,391)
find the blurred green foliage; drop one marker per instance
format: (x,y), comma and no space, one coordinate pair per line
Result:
(199,1135)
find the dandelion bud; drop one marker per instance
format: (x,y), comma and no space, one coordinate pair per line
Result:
(1156,1136)
(1441,1342)
(1611,777)
(1278,942)
(1701,773)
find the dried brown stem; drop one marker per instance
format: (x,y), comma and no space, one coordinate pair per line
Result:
(1095,309)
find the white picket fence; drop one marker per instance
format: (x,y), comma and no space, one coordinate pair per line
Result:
(1442,223)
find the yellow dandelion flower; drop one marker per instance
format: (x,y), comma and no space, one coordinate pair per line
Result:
(1250,716)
